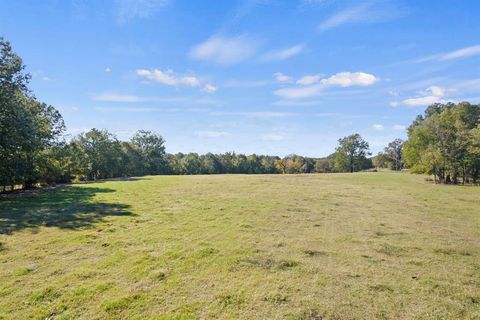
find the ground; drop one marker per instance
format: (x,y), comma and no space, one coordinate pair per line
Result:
(317,246)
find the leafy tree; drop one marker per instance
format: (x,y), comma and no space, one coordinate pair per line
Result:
(191,163)
(393,153)
(152,149)
(440,142)
(27,127)
(97,154)
(351,154)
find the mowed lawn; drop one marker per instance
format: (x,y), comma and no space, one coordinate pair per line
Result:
(318,246)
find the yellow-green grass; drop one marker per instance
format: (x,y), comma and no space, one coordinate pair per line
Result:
(331,246)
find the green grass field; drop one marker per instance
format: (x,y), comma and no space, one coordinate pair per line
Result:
(332,246)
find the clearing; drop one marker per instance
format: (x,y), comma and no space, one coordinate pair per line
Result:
(317,246)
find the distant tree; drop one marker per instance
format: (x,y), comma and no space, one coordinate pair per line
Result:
(152,149)
(268,164)
(210,164)
(351,154)
(381,160)
(191,164)
(393,152)
(98,155)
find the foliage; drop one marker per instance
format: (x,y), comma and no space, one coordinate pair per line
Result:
(444,142)
(27,127)
(391,157)
(351,154)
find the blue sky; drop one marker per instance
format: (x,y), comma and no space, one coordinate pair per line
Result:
(251,76)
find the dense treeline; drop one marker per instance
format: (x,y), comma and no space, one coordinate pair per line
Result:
(34,151)
(445,142)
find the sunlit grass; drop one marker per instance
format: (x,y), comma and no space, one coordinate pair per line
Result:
(339,246)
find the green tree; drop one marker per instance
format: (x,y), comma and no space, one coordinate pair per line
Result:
(393,152)
(351,154)
(97,155)
(27,127)
(152,149)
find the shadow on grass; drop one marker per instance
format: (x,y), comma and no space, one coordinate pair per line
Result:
(69,207)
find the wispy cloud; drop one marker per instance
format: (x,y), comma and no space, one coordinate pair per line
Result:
(295,103)
(399,127)
(209,88)
(378,127)
(131,110)
(299,92)
(117,97)
(212,134)
(224,50)
(128,10)
(169,78)
(283,54)
(366,12)
(309,79)
(429,96)
(233,83)
(280,77)
(272,136)
(347,79)
(257,114)
(341,79)
(453,55)
(114,97)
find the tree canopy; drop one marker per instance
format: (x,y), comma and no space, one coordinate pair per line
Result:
(444,142)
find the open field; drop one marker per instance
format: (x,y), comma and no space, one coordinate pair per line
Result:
(336,246)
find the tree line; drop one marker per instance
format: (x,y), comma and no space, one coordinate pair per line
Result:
(444,142)
(33,149)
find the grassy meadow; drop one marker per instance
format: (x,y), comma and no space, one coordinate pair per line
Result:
(317,246)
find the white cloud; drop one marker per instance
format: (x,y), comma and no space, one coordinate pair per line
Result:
(211,134)
(299,92)
(117,97)
(342,79)
(393,93)
(394,104)
(432,94)
(435,91)
(280,77)
(309,79)
(378,127)
(347,79)
(462,53)
(257,114)
(366,12)
(108,69)
(349,15)
(245,83)
(295,103)
(452,55)
(45,78)
(113,97)
(169,78)
(209,88)
(128,10)
(399,127)
(421,101)
(272,137)
(283,54)
(225,50)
